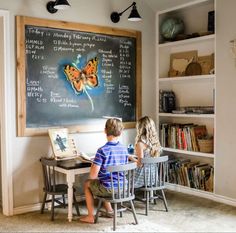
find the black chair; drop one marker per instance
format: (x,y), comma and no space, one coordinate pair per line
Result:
(124,192)
(155,177)
(53,189)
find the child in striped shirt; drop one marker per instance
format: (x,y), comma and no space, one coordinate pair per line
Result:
(111,154)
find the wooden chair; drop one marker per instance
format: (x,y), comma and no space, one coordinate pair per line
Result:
(52,188)
(124,192)
(154,181)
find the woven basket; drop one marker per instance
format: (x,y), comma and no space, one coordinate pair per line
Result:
(205,145)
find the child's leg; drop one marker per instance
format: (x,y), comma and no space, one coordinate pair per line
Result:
(89,203)
(107,206)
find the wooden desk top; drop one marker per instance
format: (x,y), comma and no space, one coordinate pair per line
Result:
(72,164)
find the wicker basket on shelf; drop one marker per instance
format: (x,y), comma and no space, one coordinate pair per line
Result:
(205,144)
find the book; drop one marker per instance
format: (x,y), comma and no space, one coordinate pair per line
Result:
(84,158)
(166,101)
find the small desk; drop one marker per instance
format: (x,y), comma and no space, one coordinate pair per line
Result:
(71,172)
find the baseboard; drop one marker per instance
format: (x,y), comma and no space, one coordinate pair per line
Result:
(203,194)
(37,207)
(26,209)
(225,200)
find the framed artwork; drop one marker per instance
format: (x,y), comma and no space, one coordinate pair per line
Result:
(60,143)
(179,62)
(207,63)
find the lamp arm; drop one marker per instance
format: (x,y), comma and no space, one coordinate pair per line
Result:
(133,4)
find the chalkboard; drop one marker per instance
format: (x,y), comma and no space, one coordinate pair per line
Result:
(76,75)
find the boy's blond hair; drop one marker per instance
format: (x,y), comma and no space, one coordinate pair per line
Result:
(114,127)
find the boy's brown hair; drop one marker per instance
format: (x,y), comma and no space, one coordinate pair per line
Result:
(114,127)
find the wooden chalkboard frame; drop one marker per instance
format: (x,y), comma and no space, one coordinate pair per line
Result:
(21,22)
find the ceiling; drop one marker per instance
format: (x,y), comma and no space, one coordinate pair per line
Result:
(158,5)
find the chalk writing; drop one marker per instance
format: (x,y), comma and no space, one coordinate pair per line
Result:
(50,98)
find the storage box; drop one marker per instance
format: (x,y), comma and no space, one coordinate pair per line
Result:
(205,145)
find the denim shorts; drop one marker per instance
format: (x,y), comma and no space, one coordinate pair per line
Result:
(98,189)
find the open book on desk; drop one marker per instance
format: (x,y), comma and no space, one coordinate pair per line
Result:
(84,158)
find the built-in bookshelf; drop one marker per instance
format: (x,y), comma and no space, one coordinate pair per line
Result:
(194,90)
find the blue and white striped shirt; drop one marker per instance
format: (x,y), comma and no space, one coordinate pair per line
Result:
(111,154)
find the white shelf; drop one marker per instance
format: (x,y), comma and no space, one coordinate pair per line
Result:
(184,6)
(186,41)
(196,90)
(187,115)
(188,190)
(188,78)
(193,153)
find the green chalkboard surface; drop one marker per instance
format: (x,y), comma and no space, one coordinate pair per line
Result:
(75,75)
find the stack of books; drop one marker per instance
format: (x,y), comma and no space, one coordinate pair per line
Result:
(191,174)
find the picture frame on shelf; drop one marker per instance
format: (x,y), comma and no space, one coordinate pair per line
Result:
(179,62)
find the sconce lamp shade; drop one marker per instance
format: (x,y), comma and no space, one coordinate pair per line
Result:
(61,4)
(134,15)
(52,7)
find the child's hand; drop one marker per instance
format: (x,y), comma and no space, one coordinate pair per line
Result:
(132,158)
(139,164)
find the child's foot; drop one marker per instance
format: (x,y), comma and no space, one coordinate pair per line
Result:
(107,214)
(110,214)
(87,219)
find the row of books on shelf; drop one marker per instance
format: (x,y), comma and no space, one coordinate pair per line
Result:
(182,136)
(191,174)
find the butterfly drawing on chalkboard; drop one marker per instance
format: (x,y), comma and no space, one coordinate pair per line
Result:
(81,79)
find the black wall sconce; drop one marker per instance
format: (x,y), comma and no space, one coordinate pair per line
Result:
(134,15)
(52,6)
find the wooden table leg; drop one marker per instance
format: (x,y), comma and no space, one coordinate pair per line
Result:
(70,182)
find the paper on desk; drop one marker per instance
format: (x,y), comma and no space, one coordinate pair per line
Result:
(84,158)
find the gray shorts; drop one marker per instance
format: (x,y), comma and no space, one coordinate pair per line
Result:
(98,189)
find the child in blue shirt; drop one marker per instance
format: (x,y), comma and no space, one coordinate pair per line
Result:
(99,183)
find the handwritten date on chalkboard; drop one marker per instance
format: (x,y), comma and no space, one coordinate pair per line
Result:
(72,75)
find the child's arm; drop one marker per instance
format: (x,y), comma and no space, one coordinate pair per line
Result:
(139,148)
(94,171)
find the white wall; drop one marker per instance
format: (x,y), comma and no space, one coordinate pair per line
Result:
(225,100)
(26,170)
(1,77)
